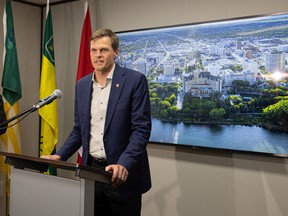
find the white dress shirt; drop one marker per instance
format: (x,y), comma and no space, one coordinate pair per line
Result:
(99,103)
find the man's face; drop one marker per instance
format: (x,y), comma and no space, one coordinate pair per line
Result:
(102,54)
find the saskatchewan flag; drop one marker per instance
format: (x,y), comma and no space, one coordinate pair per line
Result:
(48,113)
(12,93)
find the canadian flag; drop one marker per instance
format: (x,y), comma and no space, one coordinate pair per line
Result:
(84,63)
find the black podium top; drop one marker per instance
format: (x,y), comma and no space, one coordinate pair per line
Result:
(41,165)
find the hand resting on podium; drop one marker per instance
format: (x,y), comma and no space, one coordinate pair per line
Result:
(119,172)
(51,157)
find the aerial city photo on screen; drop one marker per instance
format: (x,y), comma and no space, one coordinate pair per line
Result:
(220,84)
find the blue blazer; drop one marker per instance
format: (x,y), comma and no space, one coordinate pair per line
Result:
(127,127)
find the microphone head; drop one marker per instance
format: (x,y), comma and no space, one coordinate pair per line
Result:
(58,93)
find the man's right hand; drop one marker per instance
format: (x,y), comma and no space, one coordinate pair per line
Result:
(51,157)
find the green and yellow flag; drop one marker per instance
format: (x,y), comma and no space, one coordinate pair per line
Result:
(12,93)
(48,113)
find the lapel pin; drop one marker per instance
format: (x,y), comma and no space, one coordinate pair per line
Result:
(117,85)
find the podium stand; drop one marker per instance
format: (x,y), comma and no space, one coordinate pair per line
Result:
(34,193)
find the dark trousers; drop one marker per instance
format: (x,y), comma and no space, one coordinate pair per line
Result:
(108,201)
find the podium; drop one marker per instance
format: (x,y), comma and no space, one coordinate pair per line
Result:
(34,193)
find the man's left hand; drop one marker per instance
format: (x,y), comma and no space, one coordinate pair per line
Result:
(119,174)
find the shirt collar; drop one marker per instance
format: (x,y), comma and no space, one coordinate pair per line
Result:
(110,75)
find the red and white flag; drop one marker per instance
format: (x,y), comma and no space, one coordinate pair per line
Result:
(84,64)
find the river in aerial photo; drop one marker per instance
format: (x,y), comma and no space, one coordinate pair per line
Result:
(232,137)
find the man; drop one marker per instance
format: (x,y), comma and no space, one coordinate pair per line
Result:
(112,122)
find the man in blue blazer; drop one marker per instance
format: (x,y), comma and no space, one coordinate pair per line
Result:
(112,123)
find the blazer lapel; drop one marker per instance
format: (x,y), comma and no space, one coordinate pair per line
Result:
(118,82)
(85,99)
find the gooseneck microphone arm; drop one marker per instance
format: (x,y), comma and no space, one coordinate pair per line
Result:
(56,94)
(28,111)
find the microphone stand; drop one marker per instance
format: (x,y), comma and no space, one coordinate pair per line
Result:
(45,101)
(29,110)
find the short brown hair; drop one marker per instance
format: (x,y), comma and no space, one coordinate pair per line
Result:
(102,32)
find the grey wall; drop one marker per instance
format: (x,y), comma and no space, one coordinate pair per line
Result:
(185,182)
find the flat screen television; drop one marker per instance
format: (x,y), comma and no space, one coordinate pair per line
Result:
(218,84)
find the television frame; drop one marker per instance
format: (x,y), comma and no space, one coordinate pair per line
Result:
(206,59)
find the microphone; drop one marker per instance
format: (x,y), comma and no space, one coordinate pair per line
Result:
(56,94)
(45,101)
